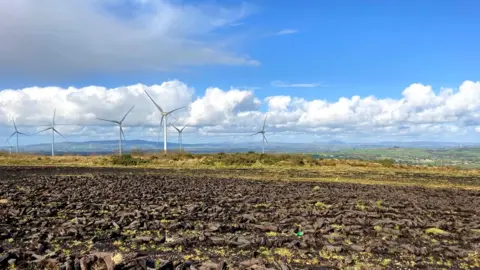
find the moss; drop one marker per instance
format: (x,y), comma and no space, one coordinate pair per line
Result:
(321,205)
(360,206)
(271,234)
(283,252)
(436,231)
(386,262)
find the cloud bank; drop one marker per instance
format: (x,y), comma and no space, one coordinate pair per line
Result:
(58,38)
(420,111)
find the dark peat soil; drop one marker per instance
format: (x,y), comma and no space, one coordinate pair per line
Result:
(81,218)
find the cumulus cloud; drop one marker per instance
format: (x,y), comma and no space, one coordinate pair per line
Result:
(298,85)
(56,37)
(420,112)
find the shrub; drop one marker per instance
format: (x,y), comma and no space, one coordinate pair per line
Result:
(388,162)
(127,160)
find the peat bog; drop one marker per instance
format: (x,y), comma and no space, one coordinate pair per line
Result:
(74,218)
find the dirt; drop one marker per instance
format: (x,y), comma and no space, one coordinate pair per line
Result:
(83,218)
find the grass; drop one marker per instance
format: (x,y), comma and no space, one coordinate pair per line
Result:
(436,231)
(294,167)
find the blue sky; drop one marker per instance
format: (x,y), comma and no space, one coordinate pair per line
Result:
(352,47)
(348,48)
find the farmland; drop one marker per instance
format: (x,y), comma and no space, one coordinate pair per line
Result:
(183,213)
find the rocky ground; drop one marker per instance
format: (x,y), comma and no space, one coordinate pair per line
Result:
(81,218)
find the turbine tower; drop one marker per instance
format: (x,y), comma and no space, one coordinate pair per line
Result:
(14,133)
(119,123)
(54,130)
(180,141)
(164,120)
(9,148)
(264,140)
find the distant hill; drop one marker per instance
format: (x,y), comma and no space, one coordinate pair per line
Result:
(111,146)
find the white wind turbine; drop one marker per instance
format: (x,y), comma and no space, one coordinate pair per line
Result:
(54,130)
(9,148)
(14,133)
(119,123)
(164,120)
(180,140)
(264,139)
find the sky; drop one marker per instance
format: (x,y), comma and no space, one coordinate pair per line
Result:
(319,70)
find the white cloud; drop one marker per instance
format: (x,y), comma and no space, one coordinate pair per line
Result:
(298,85)
(55,38)
(419,113)
(286,32)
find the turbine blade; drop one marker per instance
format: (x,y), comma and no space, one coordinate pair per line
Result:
(265,138)
(264,122)
(42,130)
(184,127)
(175,110)
(111,121)
(156,105)
(54,112)
(255,133)
(21,133)
(127,114)
(10,136)
(175,128)
(14,125)
(123,134)
(56,131)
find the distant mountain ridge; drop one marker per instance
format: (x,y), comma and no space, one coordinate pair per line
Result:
(109,146)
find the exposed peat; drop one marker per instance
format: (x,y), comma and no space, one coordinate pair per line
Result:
(164,219)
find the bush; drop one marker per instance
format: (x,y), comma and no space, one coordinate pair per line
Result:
(388,162)
(127,160)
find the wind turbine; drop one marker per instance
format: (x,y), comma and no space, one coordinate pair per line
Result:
(15,133)
(164,120)
(180,141)
(9,148)
(264,140)
(119,123)
(54,130)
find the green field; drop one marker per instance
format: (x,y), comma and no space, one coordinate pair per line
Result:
(463,157)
